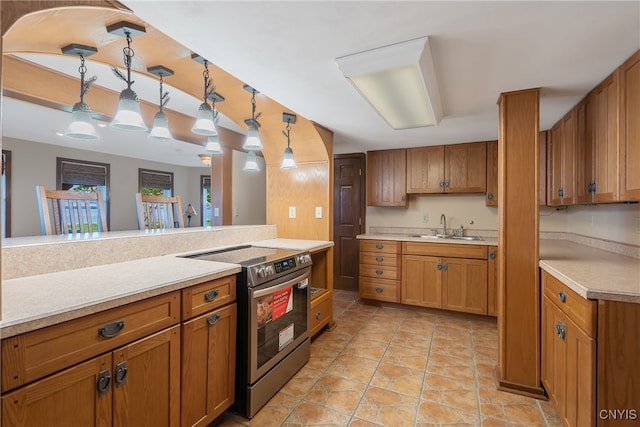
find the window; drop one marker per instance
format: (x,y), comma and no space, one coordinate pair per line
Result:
(155,183)
(6,193)
(84,176)
(205,199)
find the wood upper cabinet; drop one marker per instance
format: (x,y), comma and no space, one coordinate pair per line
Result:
(630,129)
(386,178)
(458,168)
(560,162)
(491,198)
(584,150)
(208,366)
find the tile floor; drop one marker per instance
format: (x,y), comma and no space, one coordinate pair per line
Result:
(391,367)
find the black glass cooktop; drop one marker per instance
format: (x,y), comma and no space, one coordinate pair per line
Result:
(246,256)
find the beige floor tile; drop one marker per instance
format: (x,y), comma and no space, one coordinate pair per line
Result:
(272,414)
(526,415)
(407,357)
(311,414)
(450,392)
(321,357)
(375,333)
(333,340)
(368,348)
(353,367)
(392,313)
(460,352)
(486,354)
(430,412)
(301,382)
(451,367)
(387,408)
(336,393)
(442,339)
(397,378)
(356,422)
(417,325)
(419,340)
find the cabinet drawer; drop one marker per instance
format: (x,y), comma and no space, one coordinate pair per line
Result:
(320,313)
(33,355)
(208,296)
(386,246)
(373,258)
(379,271)
(582,311)
(380,289)
(445,250)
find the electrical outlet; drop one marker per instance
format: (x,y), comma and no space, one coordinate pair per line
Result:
(292,211)
(318,211)
(425,217)
(216,212)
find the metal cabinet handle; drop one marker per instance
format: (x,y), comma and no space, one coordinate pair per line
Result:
(439,267)
(441,184)
(560,192)
(379,259)
(213,319)
(561,330)
(562,297)
(318,315)
(445,267)
(104,380)
(404,197)
(379,246)
(120,376)
(111,330)
(492,255)
(211,295)
(446,184)
(379,290)
(379,272)
(490,196)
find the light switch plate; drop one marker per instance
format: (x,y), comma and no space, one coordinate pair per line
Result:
(216,212)
(318,211)
(292,211)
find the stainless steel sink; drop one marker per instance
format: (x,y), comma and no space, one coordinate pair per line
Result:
(447,237)
(466,237)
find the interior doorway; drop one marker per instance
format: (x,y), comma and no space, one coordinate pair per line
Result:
(348,217)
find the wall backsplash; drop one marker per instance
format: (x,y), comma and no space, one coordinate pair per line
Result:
(616,222)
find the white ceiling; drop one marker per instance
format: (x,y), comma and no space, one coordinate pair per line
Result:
(287,51)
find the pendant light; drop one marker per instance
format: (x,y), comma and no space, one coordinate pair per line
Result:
(128,116)
(81,126)
(252,141)
(288,162)
(204,118)
(251,164)
(160,130)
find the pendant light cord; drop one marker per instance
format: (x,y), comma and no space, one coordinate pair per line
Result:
(161,96)
(253,106)
(128,58)
(288,131)
(207,80)
(82,69)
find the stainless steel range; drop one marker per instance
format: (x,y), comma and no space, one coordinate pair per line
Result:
(273,320)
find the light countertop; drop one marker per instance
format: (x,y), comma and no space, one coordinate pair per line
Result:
(590,272)
(486,241)
(295,244)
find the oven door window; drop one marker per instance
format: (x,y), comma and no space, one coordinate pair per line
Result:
(280,322)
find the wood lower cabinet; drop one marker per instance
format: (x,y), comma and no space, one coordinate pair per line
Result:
(386,178)
(569,352)
(443,276)
(208,366)
(380,270)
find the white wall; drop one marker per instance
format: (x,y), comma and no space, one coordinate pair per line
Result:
(35,164)
(616,222)
(249,198)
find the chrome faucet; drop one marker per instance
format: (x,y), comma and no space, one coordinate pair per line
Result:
(443,221)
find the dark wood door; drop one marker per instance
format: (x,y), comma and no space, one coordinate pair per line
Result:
(348,217)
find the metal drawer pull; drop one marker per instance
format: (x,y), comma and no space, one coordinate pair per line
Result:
(562,296)
(211,295)
(445,267)
(318,315)
(379,272)
(439,267)
(213,319)
(120,376)
(379,246)
(111,330)
(490,196)
(379,290)
(379,259)
(492,255)
(104,379)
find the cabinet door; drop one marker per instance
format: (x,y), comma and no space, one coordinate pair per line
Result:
(422,280)
(465,168)
(69,398)
(542,167)
(630,129)
(584,152)
(554,355)
(568,160)
(464,285)
(208,366)
(580,372)
(554,166)
(425,169)
(492,282)
(146,381)
(386,178)
(491,198)
(606,141)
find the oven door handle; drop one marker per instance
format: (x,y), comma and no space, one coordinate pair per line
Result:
(272,289)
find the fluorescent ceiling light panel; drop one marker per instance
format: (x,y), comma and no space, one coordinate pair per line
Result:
(398,81)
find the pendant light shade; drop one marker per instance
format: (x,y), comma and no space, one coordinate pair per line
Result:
(128,115)
(251,164)
(252,142)
(204,121)
(213,145)
(288,162)
(205,159)
(81,125)
(160,130)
